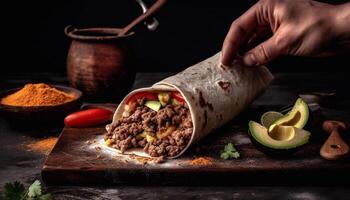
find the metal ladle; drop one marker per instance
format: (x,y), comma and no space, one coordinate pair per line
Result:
(149,13)
(151,24)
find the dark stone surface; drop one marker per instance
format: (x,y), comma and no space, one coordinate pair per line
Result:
(18,164)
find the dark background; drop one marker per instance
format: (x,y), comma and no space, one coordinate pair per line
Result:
(190,31)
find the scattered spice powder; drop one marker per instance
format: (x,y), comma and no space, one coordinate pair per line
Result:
(143,160)
(140,159)
(43,146)
(39,94)
(201,161)
(146,160)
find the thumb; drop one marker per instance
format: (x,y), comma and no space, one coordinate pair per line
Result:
(263,53)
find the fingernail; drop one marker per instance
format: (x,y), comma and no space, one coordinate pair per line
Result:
(223,58)
(250,60)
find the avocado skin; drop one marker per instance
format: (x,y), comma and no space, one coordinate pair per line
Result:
(299,105)
(274,153)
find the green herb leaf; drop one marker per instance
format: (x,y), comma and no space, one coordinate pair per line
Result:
(229,147)
(234,154)
(224,155)
(229,152)
(35,189)
(14,191)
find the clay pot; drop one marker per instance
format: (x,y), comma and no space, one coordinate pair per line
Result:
(99,63)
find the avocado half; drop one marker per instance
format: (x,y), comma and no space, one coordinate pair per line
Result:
(280,141)
(297,117)
(268,118)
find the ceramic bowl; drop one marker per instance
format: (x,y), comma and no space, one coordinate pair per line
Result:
(29,116)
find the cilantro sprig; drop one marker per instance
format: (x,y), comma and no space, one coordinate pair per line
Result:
(229,152)
(16,191)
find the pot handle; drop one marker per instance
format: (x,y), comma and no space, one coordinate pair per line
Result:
(69,29)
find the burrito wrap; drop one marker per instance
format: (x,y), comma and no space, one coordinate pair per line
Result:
(214,93)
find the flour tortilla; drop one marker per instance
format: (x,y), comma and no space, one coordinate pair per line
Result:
(214,93)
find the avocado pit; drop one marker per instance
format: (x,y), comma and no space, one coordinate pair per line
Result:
(282,133)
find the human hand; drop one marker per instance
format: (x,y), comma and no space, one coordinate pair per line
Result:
(298,27)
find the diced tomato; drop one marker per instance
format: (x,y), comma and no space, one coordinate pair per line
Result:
(147,95)
(89,117)
(178,96)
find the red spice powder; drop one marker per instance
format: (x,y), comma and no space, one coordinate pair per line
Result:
(43,146)
(201,161)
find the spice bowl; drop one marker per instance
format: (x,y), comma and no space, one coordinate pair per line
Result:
(24,117)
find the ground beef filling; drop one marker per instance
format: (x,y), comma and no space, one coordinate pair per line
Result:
(126,132)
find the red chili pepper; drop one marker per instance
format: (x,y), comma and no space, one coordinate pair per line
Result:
(89,117)
(178,96)
(147,95)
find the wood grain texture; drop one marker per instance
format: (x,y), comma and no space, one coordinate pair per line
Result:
(76,160)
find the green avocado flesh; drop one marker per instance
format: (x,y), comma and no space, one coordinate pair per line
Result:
(269,118)
(154,105)
(297,117)
(280,137)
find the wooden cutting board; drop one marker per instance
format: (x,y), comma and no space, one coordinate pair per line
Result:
(79,157)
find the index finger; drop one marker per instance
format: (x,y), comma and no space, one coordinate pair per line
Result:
(240,31)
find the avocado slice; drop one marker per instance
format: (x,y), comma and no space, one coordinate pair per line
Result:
(297,117)
(281,140)
(154,105)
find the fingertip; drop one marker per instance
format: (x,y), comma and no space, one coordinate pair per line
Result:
(249,59)
(227,54)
